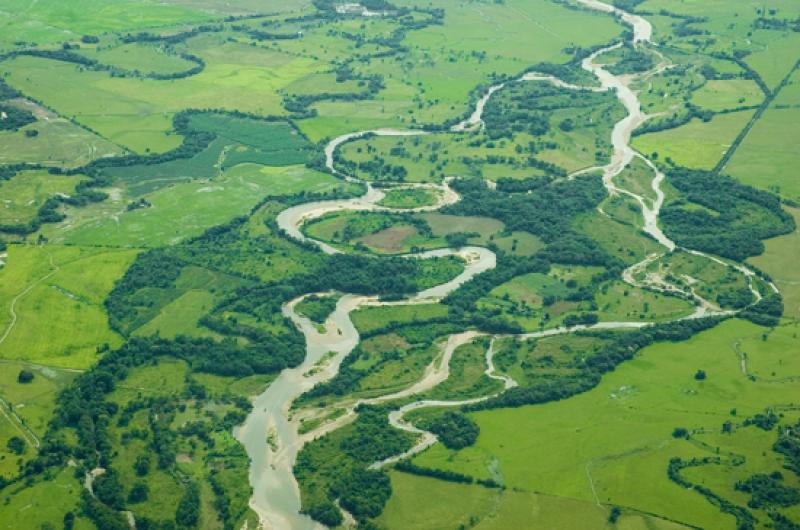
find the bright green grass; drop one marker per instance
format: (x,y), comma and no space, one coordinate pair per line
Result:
(137,113)
(144,57)
(187,209)
(23,195)
(638,178)
(620,240)
(60,316)
(779,261)
(519,243)
(32,403)
(777,56)
(697,144)
(422,503)
(48,21)
(43,502)
(769,152)
(180,317)
(59,143)
(621,302)
(485,227)
(728,94)
(619,433)
(408,198)
(368,319)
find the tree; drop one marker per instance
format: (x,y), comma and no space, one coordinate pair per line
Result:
(700,375)
(25,376)
(188,512)
(142,465)
(16,445)
(138,493)
(680,432)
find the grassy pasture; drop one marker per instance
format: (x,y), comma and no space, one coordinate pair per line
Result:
(408,198)
(143,57)
(769,152)
(43,502)
(60,315)
(137,113)
(618,239)
(697,144)
(53,21)
(367,319)
(424,503)
(23,194)
(59,142)
(779,261)
(618,435)
(718,95)
(187,209)
(31,402)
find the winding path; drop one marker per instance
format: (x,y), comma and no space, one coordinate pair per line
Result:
(276,496)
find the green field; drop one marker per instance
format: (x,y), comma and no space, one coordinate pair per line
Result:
(187,209)
(616,439)
(136,113)
(429,504)
(60,318)
(59,142)
(27,191)
(778,261)
(729,94)
(768,151)
(52,21)
(148,148)
(696,144)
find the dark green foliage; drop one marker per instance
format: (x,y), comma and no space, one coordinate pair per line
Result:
(680,432)
(188,512)
(25,376)
(547,213)
(454,429)
(142,465)
(326,513)
(108,490)
(743,216)
(768,490)
(13,118)
(102,516)
(528,107)
(374,439)
(766,421)
(154,268)
(69,521)
(6,92)
(766,312)
(363,492)
(16,445)
(633,60)
(700,375)
(788,445)
(138,493)
(317,308)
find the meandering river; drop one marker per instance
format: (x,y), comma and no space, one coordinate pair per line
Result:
(271,435)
